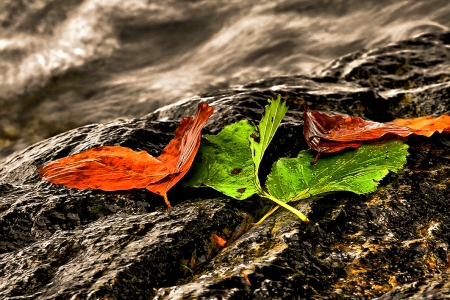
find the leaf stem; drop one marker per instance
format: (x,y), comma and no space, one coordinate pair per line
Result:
(266,216)
(288,207)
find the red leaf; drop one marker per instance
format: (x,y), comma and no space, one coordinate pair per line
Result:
(107,168)
(112,168)
(328,133)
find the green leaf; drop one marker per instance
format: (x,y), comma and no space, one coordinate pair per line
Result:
(274,113)
(229,162)
(357,171)
(225,163)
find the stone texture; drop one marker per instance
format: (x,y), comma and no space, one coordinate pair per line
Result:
(59,243)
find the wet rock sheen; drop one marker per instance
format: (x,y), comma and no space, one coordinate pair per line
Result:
(60,243)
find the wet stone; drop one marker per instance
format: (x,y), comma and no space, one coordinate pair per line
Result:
(60,243)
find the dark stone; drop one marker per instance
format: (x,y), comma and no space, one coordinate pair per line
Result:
(60,243)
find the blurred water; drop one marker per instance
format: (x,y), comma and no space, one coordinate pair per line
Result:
(68,63)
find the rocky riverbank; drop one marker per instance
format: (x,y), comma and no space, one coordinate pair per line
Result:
(60,243)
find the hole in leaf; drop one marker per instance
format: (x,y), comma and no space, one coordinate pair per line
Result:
(236,171)
(255,137)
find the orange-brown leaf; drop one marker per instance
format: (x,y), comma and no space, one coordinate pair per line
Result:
(328,133)
(107,168)
(219,240)
(425,125)
(112,168)
(180,153)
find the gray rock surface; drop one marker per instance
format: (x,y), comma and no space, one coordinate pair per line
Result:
(60,243)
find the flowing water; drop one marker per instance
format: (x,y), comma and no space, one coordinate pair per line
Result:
(67,63)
